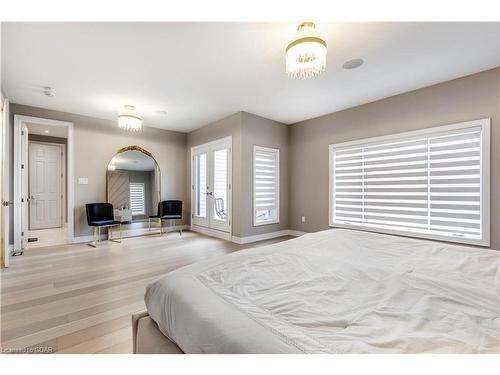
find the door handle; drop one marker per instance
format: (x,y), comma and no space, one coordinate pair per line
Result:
(6,203)
(210,193)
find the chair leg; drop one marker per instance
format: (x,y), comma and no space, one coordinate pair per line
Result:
(149,224)
(180,228)
(120,238)
(161,227)
(94,243)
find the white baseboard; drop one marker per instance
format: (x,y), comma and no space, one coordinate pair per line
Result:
(211,232)
(266,236)
(126,233)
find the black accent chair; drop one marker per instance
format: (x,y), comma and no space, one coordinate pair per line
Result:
(168,210)
(102,215)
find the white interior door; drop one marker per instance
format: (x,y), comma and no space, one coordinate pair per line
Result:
(45,186)
(212,178)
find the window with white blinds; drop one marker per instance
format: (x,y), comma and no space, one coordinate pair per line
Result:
(266,175)
(137,198)
(430,184)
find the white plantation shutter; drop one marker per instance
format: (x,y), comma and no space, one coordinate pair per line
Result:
(432,184)
(137,198)
(266,185)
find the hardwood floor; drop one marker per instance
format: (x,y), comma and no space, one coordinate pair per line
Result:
(78,299)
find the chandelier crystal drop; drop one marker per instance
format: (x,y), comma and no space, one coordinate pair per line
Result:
(306,56)
(129,120)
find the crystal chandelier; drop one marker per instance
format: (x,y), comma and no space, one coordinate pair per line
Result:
(129,120)
(306,55)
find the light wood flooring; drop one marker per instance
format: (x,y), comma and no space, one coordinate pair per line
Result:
(78,299)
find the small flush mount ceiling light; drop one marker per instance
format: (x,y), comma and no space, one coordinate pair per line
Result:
(306,55)
(353,64)
(129,120)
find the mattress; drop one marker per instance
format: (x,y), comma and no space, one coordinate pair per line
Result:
(336,291)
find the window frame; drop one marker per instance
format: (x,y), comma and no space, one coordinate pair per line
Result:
(485,126)
(143,198)
(276,220)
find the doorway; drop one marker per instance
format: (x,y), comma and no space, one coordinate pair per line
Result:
(43,198)
(211,188)
(4,183)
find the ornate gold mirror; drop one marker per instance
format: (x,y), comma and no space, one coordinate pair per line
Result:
(133,188)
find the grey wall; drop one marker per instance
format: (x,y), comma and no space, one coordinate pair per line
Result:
(261,131)
(247,130)
(467,98)
(97,141)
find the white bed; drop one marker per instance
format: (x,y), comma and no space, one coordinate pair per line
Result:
(336,291)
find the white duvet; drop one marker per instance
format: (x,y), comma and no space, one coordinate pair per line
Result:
(336,291)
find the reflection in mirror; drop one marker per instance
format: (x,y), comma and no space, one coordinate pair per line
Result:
(133,188)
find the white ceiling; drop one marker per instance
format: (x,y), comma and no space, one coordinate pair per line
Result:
(133,161)
(201,72)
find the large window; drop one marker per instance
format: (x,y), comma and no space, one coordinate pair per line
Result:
(137,198)
(432,183)
(266,176)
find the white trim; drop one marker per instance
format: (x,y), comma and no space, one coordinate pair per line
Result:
(104,237)
(211,232)
(211,225)
(5,179)
(260,237)
(414,133)
(267,236)
(296,233)
(483,124)
(277,153)
(19,120)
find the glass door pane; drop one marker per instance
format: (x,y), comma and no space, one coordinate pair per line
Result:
(201,185)
(220,185)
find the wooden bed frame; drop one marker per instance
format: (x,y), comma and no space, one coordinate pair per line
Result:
(147,337)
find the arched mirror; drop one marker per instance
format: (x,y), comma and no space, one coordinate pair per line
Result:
(133,188)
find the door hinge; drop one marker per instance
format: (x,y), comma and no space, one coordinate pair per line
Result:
(229,186)
(192,187)
(22,234)
(192,216)
(22,132)
(22,166)
(62,175)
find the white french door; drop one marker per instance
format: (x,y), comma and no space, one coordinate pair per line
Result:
(211,179)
